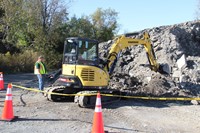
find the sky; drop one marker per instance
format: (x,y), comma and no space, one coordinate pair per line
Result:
(136,15)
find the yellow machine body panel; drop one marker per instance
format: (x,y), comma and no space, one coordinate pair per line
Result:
(68,69)
(88,75)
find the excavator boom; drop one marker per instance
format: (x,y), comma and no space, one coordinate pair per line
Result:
(123,42)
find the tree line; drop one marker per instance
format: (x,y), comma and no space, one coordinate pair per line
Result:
(33,27)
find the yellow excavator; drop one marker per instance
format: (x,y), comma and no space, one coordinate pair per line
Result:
(82,72)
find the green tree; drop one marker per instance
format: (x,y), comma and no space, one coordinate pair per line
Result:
(14,22)
(33,24)
(46,17)
(105,24)
(101,25)
(79,27)
(41,26)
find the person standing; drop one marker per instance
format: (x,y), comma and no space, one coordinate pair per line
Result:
(40,71)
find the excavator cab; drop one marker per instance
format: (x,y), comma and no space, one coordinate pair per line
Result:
(81,51)
(80,68)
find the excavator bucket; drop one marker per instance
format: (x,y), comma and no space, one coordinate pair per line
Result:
(164,68)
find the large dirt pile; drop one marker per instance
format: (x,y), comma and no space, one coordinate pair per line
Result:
(171,43)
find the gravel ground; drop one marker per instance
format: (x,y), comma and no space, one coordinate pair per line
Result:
(37,115)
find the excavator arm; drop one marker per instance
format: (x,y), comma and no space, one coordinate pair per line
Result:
(123,42)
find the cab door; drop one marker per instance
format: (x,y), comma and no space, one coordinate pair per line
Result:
(69,58)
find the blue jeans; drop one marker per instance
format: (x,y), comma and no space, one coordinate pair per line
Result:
(41,81)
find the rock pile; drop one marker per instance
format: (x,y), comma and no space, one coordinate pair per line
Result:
(177,45)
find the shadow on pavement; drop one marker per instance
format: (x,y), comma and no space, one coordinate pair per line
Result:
(146,103)
(124,129)
(42,119)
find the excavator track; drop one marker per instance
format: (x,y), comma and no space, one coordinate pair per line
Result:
(85,101)
(55,89)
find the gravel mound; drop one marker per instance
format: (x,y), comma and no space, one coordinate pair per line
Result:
(177,45)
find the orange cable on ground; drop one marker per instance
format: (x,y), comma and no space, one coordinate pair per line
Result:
(98,126)
(7,113)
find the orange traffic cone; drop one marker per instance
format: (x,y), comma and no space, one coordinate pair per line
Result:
(7,114)
(98,126)
(1,81)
